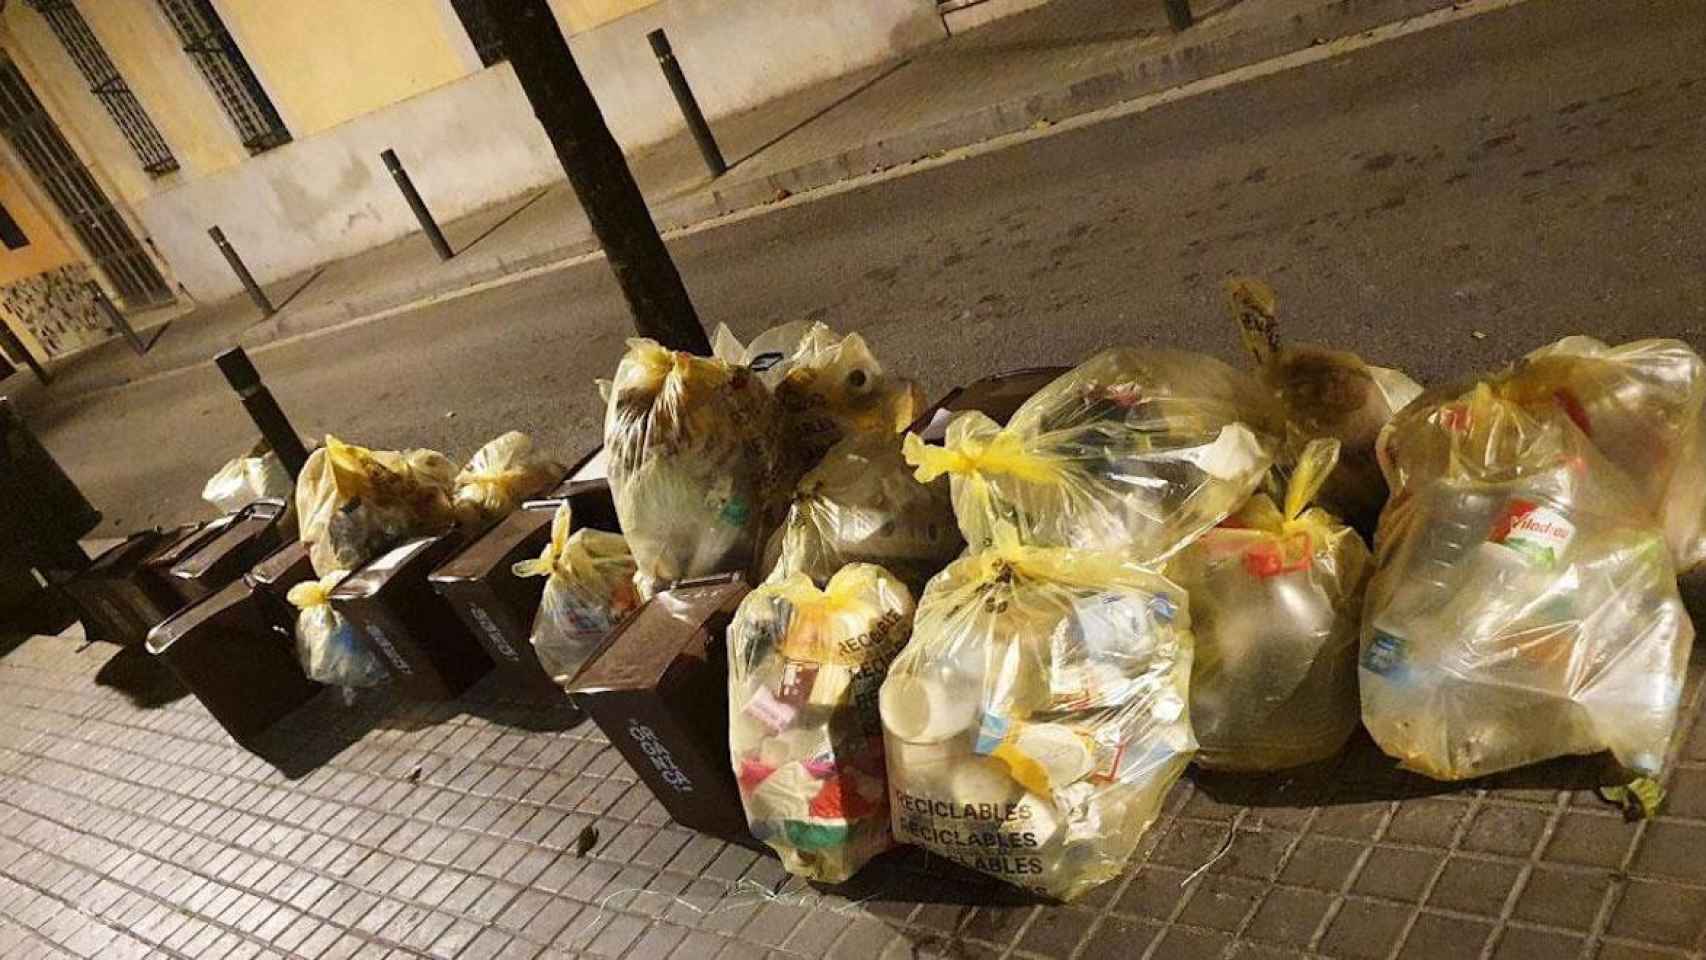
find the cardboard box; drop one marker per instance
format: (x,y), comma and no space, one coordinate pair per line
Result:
(419,638)
(659,689)
(249,535)
(998,396)
(273,577)
(120,597)
(494,604)
(236,660)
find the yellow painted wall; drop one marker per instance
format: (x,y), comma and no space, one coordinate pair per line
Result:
(46,249)
(578,16)
(56,81)
(328,61)
(142,44)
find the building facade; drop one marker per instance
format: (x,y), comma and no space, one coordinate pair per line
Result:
(129,127)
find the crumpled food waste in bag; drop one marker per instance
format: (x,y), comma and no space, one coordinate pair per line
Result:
(805,738)
(330,650)
(258,475)
(827,386)
(1133,451)
(862,504)
(354,504)
(499,476)
(696,464)
(1040,713)
(1641,405)
(591,588)
(1325,393)
(1524,604)
(1276,602)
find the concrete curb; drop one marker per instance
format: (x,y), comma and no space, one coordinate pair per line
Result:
(1180,65)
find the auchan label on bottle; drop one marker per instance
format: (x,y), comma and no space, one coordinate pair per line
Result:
(1539,533)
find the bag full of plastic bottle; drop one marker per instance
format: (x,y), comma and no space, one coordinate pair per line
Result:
(696,464)
(862,504)
(1641,405)
(805,666)
(354,504)
(1276,603)
(327,645)
(499,476)
(1524,604)
(1133,451)
(589,591)
(258,475)
(1040,713)
(1324,393)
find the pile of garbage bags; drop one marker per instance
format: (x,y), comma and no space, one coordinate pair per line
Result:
(804,668)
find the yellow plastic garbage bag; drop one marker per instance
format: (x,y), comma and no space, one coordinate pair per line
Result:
(1524,605)
(590,590)
(499,476)
(834,387)
(1325,393)
(768,354)
(696,464)
(1132,451)
(1040,713)
(862,504)
(354,504)
(1276,603)
(258,475)
(1641,405)
(805,738)
(328,646)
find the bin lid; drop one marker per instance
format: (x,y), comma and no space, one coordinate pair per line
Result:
(196,615)
(640,651)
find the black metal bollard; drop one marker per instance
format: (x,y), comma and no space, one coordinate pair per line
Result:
(1179,13)
(255,292)
(115,318)
(429,226)
(263,409)
(688,103)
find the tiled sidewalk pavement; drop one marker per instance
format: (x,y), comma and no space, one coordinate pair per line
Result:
(451,831)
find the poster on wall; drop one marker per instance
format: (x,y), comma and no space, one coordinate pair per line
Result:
(55,308)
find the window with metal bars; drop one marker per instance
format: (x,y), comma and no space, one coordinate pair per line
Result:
(207,42)
(107,86)
(477,20)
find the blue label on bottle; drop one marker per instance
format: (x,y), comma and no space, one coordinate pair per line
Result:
(1385,655)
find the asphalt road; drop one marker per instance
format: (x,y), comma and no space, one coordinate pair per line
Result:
(1443,203)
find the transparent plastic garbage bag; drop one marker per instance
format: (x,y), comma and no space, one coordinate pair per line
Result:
(259,475)
(696,464)
(1641,405)
(1524,605)
(1276,603)
(805,738)
(862,504)
(1132,451)
(1040,713)
(499,476)
(1325,393)
(828,386)
(354,504)
(330,650)
(590,590)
